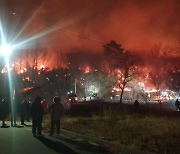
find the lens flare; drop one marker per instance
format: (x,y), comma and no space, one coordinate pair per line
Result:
(6,50)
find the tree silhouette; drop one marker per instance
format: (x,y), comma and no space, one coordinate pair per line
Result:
(120,59)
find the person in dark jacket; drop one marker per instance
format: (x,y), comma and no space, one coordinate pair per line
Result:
(56,110)
(28,109)
(23,111)
(4,111)
(177,104)
(136,105)
(37,116)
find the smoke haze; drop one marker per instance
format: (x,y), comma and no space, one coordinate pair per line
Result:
(136,24)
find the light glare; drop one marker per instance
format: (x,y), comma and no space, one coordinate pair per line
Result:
(5,50)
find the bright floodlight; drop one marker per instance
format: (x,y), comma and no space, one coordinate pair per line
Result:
(5,50)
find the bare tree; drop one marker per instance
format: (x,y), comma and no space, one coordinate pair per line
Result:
(128,72)
(118,58)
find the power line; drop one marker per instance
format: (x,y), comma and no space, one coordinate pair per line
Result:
(83,37)
(87,34)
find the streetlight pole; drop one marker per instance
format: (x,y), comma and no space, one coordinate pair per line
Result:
(75,86)
(5,51)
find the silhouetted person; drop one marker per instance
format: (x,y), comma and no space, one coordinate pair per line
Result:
(56,110)
(177,104)
(159,101)
(37,116)
(136,105)
(4,111)
(23,111)
(28,109)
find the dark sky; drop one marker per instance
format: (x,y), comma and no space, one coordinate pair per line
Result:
(136,24)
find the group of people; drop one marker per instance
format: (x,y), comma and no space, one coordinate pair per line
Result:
(56,111)
(25,110)
(15,107)
(37,110)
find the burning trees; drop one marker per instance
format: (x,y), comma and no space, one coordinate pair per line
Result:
(173,80)
(122,60)
(173,77)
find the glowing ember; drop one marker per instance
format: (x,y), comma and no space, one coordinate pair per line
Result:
(87,70)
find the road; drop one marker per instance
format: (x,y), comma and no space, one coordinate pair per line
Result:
(19,140)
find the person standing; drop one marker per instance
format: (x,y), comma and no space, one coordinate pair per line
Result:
(37,116)
(23,111)
(28,109)
(4,111)
(56,110)
(136,105)
(177,104)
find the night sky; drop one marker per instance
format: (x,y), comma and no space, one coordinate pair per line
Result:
(136,24)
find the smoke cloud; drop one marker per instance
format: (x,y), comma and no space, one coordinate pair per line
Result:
(136,24)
